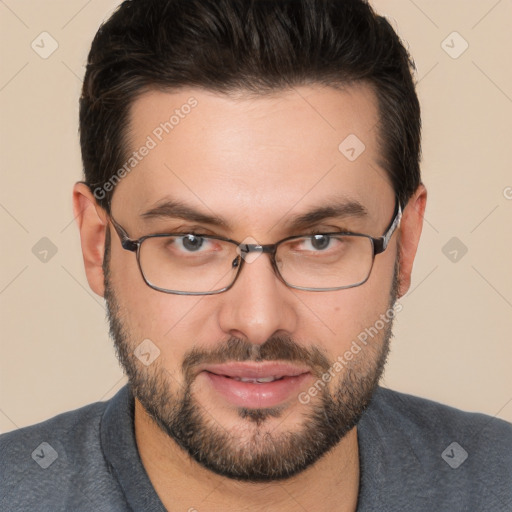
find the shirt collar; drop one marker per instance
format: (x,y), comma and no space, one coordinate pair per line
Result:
(117,435)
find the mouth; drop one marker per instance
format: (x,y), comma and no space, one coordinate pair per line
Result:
(256,385)
(259,380)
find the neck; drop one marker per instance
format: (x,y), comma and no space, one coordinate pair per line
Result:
(182,484)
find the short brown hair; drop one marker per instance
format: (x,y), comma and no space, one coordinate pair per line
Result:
(257,46)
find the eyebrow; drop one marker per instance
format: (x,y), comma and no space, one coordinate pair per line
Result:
(334,208)
(178,210)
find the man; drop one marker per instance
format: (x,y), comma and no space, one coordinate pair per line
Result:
(251,211)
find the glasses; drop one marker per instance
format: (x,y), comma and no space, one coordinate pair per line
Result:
(193,264)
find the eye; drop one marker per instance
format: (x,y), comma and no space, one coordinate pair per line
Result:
(318,242)
(191,243)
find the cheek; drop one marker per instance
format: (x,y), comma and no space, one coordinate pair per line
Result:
(173,322)
(335,319)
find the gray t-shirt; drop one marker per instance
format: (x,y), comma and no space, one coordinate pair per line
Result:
(416,455)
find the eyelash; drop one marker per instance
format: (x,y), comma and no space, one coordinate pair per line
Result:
(308,232)
(196,231)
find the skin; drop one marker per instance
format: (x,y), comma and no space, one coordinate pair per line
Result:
(257,162)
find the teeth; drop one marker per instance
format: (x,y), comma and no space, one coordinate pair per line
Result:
(267,379)
(260,379)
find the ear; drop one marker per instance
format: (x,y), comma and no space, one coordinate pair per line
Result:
(92,223)
(410,231)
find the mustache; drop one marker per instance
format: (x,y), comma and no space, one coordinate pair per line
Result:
(276,348)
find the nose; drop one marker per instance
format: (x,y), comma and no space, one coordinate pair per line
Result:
(258,305)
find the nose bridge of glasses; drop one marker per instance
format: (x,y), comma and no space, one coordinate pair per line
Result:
(248,248)
(248,253)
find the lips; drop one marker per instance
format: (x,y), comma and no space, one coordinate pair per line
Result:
(259,380)
(266,371)
(255,385)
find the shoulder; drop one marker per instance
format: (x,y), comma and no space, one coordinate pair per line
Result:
(433,419)
(432,454)
(58,463)
(74,431)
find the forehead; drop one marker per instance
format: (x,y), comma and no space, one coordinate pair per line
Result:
(252,157)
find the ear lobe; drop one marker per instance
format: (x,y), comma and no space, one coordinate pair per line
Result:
(92,224)
(410,231)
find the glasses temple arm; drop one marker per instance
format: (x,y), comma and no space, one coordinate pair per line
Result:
(126,241)
(380,244)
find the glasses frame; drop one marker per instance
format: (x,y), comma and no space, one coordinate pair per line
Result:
(379,245)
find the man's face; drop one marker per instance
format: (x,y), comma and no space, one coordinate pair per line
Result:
(258,164)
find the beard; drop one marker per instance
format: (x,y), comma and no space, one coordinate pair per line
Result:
(254,452)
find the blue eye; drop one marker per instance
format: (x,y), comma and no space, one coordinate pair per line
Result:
(191,243)
(320,242)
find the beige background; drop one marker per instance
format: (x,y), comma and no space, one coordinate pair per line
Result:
(452,339)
